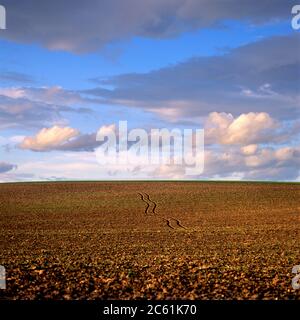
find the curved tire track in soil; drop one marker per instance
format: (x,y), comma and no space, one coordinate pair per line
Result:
(178,223)
(148,204)
(151,201)
(168,223)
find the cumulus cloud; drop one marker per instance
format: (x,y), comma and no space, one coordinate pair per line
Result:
(274,164)
(263,158)
(63,139)
(267,163)
(5,167)
(225,162)
(246,129)
(86,27)
(249,149)
(49,138)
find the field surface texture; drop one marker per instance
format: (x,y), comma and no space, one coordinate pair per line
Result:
(149,240)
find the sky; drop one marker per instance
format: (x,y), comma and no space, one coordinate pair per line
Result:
(69,69)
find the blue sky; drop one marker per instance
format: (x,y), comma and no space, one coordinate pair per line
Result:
(235,74)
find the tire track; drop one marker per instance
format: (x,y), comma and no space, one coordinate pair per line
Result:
(151,201)
(148,204)
(178,223)
(145,197)
(168,223)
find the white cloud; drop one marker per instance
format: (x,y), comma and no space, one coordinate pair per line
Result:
(107,129)
(227,162)
(286,153)
(246,129)
(264,158)
(249,149)
(238,152)
(49,138)
(267,163)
